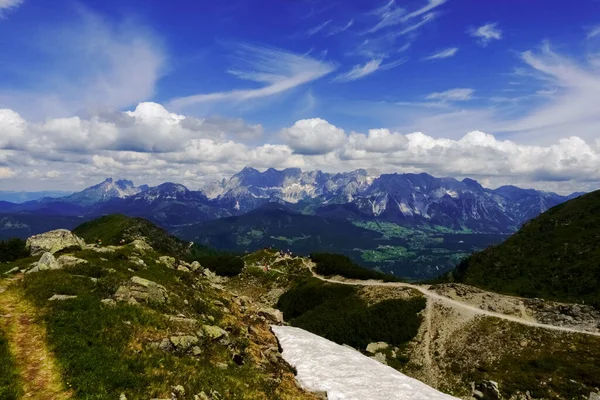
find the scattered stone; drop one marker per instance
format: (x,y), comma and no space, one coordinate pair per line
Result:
(141,247)
(167,261)
(376,347)
(201,396)
(70,261)
(195,266)
(122,397)
(108,302)
(142,290)
(53,241)
(2,289)
(183,268)
(184,343)
(137,260)
(178,391)
(486,390)
(165,345)
(46,262)
(214,332)
(182,320)
(272,315)
(221,365)
(594,396)
(12,271)
(196,350)
(61,297)
(380,357)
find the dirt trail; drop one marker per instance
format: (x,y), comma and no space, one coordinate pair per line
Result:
(36,364)
(446,301)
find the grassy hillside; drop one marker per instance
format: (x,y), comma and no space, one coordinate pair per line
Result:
(555,256)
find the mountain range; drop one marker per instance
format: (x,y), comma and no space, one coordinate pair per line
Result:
(406,199)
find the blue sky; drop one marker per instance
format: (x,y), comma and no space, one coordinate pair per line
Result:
(509,88)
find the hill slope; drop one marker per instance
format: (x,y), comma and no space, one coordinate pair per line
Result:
(554,256)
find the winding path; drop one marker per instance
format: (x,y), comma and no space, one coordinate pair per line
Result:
(452,303)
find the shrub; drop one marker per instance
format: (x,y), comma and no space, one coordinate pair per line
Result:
(337,264)
(223,265)
(12,249)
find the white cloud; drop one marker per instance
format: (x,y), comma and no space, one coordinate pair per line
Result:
(360,71)
(486,33)
(8,5)
(341,29)
(318,28)
(71,153)
(446,53)
(390,15)
(593,32)
(6,173)
(459,94)
(313,136)
(278,70)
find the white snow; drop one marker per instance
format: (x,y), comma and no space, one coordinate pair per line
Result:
(346,374)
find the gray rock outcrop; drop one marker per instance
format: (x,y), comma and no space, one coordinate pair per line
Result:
(46,262)
(53,242)
(140,290)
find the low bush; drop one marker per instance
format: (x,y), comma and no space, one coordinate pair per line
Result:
(12,250)
(223,265)
(336,312)
(337,264)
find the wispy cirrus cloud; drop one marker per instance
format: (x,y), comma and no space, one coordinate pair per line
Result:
(593,31)
(390,14)
(486,33)
(318,28)
(446,53)
(360,71)
(458,94)
(341,29)
(278,70)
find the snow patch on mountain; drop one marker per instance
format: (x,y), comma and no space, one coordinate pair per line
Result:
(346,374)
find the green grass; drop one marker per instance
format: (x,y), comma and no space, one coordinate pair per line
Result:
(555,256)
(337,313)
(10,387)
(384,253)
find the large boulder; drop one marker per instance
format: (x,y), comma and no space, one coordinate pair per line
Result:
(53,241)
(271,314)
(142,290)
(46,262)
(594,396)
(377,347)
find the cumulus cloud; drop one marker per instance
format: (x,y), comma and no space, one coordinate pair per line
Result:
(313,136)
(446,53)
(459,94)
(486,33)
(360,71)
(151,144)
(276,69)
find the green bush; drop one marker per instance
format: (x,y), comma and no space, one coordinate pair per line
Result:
(337,313)
(337,264)
(223,265)
(12,250)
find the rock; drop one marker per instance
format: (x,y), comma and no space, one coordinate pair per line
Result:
(376,347)
(201,396)
(183,269)
(184,343)
(142,290)
(12,271)
(221,365)
(178,391)
(487,390)
(108,302)
(272,315)
(167,261)
(165,345)
(46,262)
(122,397)
(141,247)
(53,242)
(214,332)
(195,266)
(196,350)
(380,357)
(70,261)
(61,297)
(182,320)
(594,396)
(137,260)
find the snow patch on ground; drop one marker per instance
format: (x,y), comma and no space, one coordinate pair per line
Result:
(346,374)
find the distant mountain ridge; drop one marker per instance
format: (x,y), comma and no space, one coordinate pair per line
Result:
(405,199)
